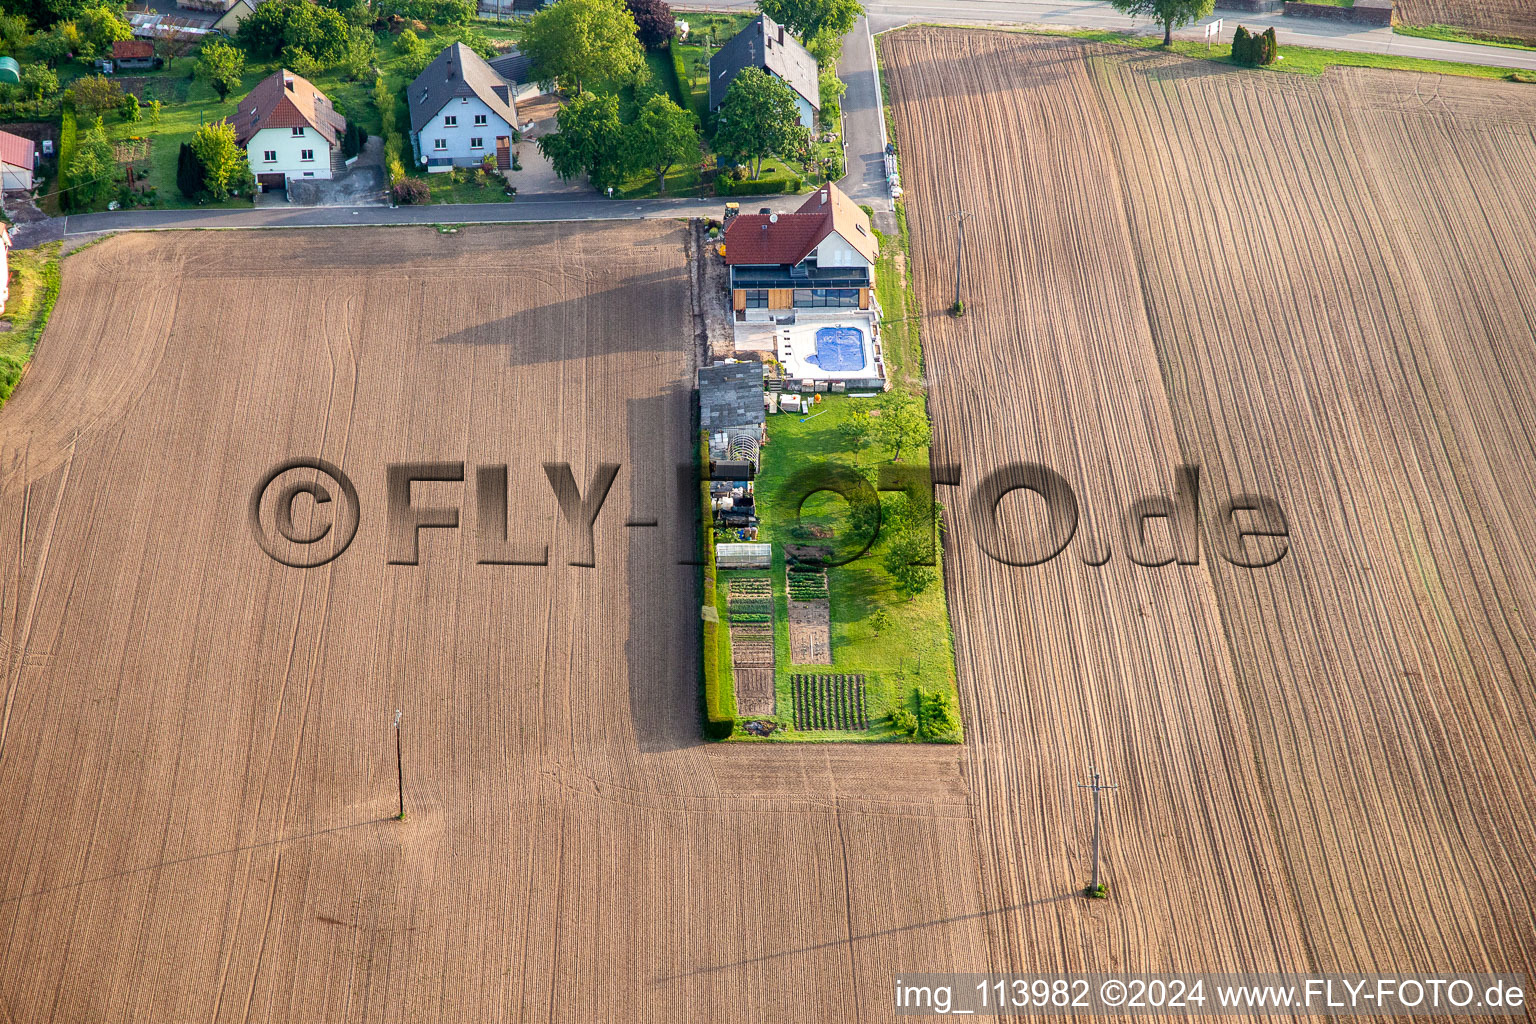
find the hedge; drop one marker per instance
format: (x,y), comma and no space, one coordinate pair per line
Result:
(719,694)
(761,187)
(68,133)
(685,88)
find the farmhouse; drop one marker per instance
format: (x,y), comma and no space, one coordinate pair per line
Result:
(18,157)
(133,55)
(289,130)
(764,44)
(461,110)
(821,256)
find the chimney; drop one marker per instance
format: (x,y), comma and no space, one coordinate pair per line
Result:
(288,83)
(823,197)
(781,35)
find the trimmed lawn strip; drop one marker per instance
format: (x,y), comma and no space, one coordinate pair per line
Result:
(1452,34)
(34,290)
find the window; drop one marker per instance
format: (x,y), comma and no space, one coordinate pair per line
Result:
(451,121)
(818,298)
(477,143)
(309,174)
(479,120)
(439,143)
(269,155)
(757,298)
(298,133)
(306,154)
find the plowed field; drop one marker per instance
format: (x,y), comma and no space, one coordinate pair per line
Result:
(1319,290)
(1515,19)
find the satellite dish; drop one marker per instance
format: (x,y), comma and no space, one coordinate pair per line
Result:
(773,218)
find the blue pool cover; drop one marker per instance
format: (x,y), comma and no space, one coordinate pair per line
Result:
(839,349)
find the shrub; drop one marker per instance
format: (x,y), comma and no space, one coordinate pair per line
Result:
(352,140)
(1254,50)
(130,107)
(726,186)
(719,697)
(938,720)
(411,191)
(904,721)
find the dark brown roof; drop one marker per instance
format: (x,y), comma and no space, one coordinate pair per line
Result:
(756,239)
(132,49)
(286,100)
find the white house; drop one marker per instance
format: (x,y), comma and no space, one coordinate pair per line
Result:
(17,159)
(461,111)
(764,44)
(289,130)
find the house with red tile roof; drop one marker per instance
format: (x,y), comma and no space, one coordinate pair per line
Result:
(133,54)
(822,256)
(18,157)
(289,129)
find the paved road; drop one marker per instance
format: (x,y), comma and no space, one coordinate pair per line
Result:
(526,208)
(863,120)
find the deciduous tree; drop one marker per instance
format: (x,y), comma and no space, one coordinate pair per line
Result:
(809,19)
(758,118)
(654,22)
(1171,13)
(221,66)
(663,136)
(96,94)
(225,167)
(591,140)
(575,42)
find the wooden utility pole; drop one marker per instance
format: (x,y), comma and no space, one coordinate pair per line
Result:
(399,767)
(1098,788)
(960,216)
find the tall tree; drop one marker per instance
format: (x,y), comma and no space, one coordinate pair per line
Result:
(1172,13)
(811,18)
(591,141)
(757,118)
(654,22)
(663,136)
(221,66)
(901,426)
(225,167)
(189,172)
(574,42)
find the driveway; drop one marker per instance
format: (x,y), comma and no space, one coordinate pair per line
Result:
(360,185)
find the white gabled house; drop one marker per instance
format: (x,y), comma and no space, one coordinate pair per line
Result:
(461,111)
(289,130)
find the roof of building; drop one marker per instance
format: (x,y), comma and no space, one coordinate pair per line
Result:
(756,239)
(286,100)
(17,151)
(132,49)
(458,71)
(730,395)
(513,66)
(764,44)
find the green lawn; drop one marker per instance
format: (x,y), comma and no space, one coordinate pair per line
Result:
(895,642)
(1452,34)
(34,287)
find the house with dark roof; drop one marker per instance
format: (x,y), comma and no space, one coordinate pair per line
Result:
(461,110)
(289,129)
(822,256)
(516,69)
(18,159)
(764,44)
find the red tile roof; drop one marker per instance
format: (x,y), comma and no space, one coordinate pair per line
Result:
(16,151)
(286,100)
(755,239)
(132,49)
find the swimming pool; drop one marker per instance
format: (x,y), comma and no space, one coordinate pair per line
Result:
(839,349)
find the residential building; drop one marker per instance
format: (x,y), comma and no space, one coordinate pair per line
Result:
(18,159)
(461,110)
(289,130)
(764,44)
(822,256)
(516,69)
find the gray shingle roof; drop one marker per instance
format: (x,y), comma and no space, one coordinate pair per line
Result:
(458,71)
(514,66)
(730,395)
(764,44)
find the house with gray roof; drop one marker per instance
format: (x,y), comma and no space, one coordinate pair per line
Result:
(461,111)
(516,69)
(764,44)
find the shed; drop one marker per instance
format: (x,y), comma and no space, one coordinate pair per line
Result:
(10,71)
(18,159)
(743,556)
(731,397)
